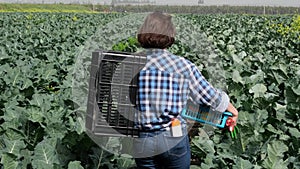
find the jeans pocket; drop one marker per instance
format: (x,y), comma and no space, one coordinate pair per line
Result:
(177,146)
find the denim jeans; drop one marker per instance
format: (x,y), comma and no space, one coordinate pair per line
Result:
(159,150)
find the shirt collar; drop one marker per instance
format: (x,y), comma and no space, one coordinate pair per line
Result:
(155,51)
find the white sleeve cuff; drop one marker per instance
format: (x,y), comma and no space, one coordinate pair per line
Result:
(222,107)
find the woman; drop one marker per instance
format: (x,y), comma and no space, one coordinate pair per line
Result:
(165,84)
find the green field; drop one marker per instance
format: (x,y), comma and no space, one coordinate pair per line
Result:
(42,123)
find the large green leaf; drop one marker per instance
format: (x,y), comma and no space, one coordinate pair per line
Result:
(42,101)
(294,132)
(9,161)
(292,99)
(242,164)
(208,162)
(275,156)
(236,77)
(14,146)
(13,77)
(195,167)
(45,155)
(77,125)
(75,165)
(35,115)
(26,158)
(258,90)
(204,144)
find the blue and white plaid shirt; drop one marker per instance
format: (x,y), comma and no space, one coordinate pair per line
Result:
(165,84)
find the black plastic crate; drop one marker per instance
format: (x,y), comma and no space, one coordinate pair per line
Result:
(112,90)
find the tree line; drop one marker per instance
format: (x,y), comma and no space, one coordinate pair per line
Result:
(200,9)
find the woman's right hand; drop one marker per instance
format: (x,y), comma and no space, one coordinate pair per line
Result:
(234,112)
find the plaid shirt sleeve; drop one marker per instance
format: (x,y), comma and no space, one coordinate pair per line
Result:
(204,93)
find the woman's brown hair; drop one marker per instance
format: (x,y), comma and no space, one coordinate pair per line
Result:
(157,31)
